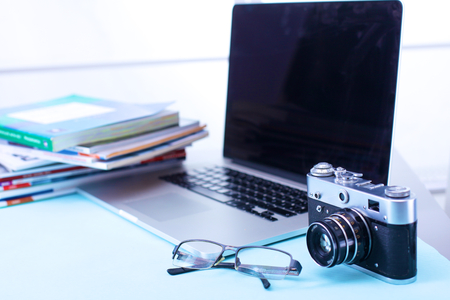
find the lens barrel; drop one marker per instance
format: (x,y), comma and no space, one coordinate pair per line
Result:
(342,237)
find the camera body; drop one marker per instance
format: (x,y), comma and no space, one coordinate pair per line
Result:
(370,227)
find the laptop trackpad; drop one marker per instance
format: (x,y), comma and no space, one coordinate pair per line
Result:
(167,207)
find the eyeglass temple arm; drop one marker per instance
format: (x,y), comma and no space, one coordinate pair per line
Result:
(296,269)
(177,271)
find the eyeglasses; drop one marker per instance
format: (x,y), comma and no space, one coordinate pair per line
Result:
(259,261)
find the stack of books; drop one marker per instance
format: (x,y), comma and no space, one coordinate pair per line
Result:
(48,148)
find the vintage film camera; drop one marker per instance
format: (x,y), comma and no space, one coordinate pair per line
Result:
(370,227)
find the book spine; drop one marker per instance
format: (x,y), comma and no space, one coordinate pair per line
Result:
(18,183)
(15,186)
(181,153)
(31,198)
(33,181)
(38,174)
(102,146)
(27,139)
(115,131)
(159,150)
(66,157)
(138,146)
(72,183)
(80,149)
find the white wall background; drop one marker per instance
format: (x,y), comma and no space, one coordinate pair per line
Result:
(151,51)
(46,33)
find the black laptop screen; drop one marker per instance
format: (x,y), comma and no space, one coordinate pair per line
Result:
(311,82)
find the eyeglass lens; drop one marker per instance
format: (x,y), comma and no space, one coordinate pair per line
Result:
(254,261)
(197,255)
(263,263)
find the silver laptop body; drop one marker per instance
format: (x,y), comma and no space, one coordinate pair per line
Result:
(308,82)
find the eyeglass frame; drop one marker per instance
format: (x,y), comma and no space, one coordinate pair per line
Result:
(294,268)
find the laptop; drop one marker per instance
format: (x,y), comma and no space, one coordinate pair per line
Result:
(308,82)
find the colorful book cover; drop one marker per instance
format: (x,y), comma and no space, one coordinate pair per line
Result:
(61,123)
(183,126)
(76,172)
(75,181)
(120,161)
(36,172)
(27,182)
(37,196)
(141,145)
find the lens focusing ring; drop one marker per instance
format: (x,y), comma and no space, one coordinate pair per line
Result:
(359,238)
(367,246)
(348,233)
(343,243)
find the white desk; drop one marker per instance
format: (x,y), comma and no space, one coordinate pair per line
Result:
(71,248)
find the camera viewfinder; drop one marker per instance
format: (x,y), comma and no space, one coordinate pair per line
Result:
(374,205)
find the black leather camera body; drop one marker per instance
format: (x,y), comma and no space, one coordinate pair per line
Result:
(370,227)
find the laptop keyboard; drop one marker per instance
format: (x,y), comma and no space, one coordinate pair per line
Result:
(255,195)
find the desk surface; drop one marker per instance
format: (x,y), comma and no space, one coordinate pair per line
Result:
(71,248)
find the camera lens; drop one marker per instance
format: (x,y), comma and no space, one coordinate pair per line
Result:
(322,244)
(325,243)
(343,237)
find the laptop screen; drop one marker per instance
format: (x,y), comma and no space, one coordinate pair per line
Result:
(312,82)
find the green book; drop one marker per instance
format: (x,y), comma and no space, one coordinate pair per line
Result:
(65,122)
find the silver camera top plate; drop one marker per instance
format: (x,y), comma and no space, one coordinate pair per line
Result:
(387,204)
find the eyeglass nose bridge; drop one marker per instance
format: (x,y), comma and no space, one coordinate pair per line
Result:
(230,248)
(226,248)
(222,255)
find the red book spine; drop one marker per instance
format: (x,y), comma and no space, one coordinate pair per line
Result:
(172,154)
(15,186)
(41,173)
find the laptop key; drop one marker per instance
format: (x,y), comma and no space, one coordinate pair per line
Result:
(262,204)
(301,209)
(215,188)
(268,216)
(280,211)
(233,203)
(210,194)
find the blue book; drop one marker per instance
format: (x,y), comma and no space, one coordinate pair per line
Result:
(65,122)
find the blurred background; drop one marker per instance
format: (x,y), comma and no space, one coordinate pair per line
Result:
(146,51)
